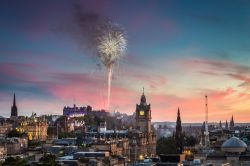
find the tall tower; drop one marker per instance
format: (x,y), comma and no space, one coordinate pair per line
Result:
(206,133)
(231,125)
(14,108)
(143,115)
(226,125)
(178,133)
(220,125)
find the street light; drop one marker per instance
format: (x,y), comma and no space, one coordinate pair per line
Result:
(141,157)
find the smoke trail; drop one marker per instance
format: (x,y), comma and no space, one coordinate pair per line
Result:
(104,37)
(109,86)
(111,47)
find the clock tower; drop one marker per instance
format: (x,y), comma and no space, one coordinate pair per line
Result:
(143,115)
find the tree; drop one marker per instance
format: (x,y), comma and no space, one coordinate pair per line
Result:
(190,141)
(48,160)
(79,139)
(90,120)
(17,161)
(166,145)
(34,143)
(51,130)
(14,133)
(66,135)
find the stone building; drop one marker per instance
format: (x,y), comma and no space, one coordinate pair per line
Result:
(115,147)
(16,145)
(142,138)
(3,150)
(76,111)
(5,127)
(234,152)
(35,127)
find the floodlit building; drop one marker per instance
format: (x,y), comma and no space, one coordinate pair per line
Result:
(5,127)
(35,127)
(3,150)
(143,137)
(76,111)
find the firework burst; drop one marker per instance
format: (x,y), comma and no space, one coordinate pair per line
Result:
(101,36)
(111,46)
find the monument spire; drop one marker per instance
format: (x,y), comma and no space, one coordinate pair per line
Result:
(178,133)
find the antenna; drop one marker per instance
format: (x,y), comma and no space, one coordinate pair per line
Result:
(206,133)
(206,116)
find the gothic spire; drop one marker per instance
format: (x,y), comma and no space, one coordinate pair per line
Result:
(14,107)
(178,133)
(226,126)
(232,122)
(178,116)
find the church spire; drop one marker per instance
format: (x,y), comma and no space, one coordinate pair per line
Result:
(14,101)
(232,123)
(220,125)
(14,107)
(178,116)
(226,125)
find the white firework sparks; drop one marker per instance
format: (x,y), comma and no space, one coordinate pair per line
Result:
(111,47)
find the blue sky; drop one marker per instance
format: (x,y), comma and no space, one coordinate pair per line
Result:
(177,50)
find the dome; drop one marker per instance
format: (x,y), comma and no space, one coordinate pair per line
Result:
(234,144)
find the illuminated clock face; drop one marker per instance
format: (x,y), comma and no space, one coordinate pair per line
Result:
(141,113)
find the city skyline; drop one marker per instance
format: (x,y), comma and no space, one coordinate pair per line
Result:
(179,52)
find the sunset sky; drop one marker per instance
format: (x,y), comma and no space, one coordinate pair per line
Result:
(179,51)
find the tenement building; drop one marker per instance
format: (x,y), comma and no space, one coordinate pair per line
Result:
(35,127)
(5,127)
(142,137)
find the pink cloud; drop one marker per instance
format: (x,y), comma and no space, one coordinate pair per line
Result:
(215,65)
(219,95)
(221,105)
(241,77)
(146,77)
(18,71)
(91,90)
